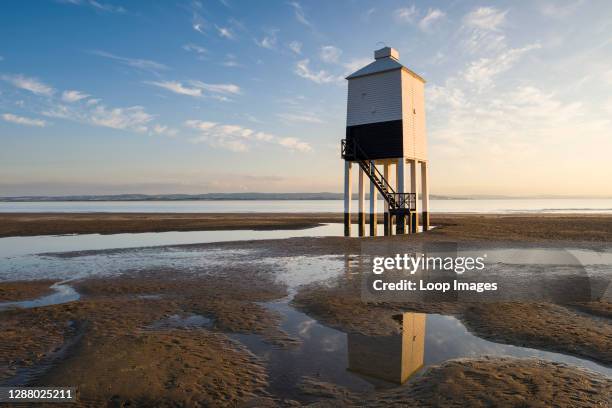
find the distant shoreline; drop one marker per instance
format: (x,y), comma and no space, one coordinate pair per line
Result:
(255,197)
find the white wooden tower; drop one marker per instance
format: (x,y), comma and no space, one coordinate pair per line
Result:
(385,127)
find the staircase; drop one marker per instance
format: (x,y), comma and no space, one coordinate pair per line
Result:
(399,203)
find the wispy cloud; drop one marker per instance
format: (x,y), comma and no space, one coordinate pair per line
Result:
(196,88)
(199,27)
(405,14)
(195,48)
(299,14)
(330,54)
(228,89)
(300,117)
(482,71)
(97,5)
(432,16)
(355,64)
(486,18)
(63,106)
(21,120)
(561,9)
(158,129)
(177,87)
(238,138)
(134,118)
(368,14)
(296,47)
(484,28)
(73,96)
(225,32)
(302,69)
(143,64)
(29,84)
(231,62)
(269,40)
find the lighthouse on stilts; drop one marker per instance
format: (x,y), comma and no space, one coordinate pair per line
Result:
(385,129)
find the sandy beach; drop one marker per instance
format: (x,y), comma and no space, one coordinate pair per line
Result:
(175,335)
(496,227)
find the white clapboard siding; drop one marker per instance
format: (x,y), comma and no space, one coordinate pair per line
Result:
(420,151)
(413,117)
(374,98)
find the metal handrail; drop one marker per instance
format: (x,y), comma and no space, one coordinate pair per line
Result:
(397,201)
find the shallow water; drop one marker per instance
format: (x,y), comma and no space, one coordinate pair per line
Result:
(192,321)
(63,293)
(532,205)
(355,361)
(15,246)
(360,363)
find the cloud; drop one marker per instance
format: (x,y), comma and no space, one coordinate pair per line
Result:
(561,9)
(73,96)
(299,14)
(330,54)
(368,14)
(479,120)
(21,120)
(405,14)
(355,64)
(132,118)
(225,32)
(230,63)
(607,76)
(321,77)
(163,130)
(143,64)
(300,117)
(196,88)
(482,71)
(296,47)
(268,41)
(106,7)
(227,89)
(100,6)
(29,84)
(199,27)
(92,112)
(483,28)
(177,87)
(485,18)
(238,138)
(198,23)
(432,16)
(195,48)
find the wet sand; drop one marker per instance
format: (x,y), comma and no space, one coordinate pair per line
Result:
(114,344)
(20,290)
(108,342)
(481,382)
(484,227)
(27,224)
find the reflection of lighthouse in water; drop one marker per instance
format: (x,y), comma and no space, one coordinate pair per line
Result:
(392,358)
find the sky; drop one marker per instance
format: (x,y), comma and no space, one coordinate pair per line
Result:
(108,97)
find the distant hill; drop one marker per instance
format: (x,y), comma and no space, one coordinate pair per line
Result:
(191,197)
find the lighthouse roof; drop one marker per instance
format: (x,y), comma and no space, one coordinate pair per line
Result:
(386,59)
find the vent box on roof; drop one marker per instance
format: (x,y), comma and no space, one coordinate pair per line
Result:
(386,52)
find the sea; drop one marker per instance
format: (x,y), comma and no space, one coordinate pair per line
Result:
(492,206)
